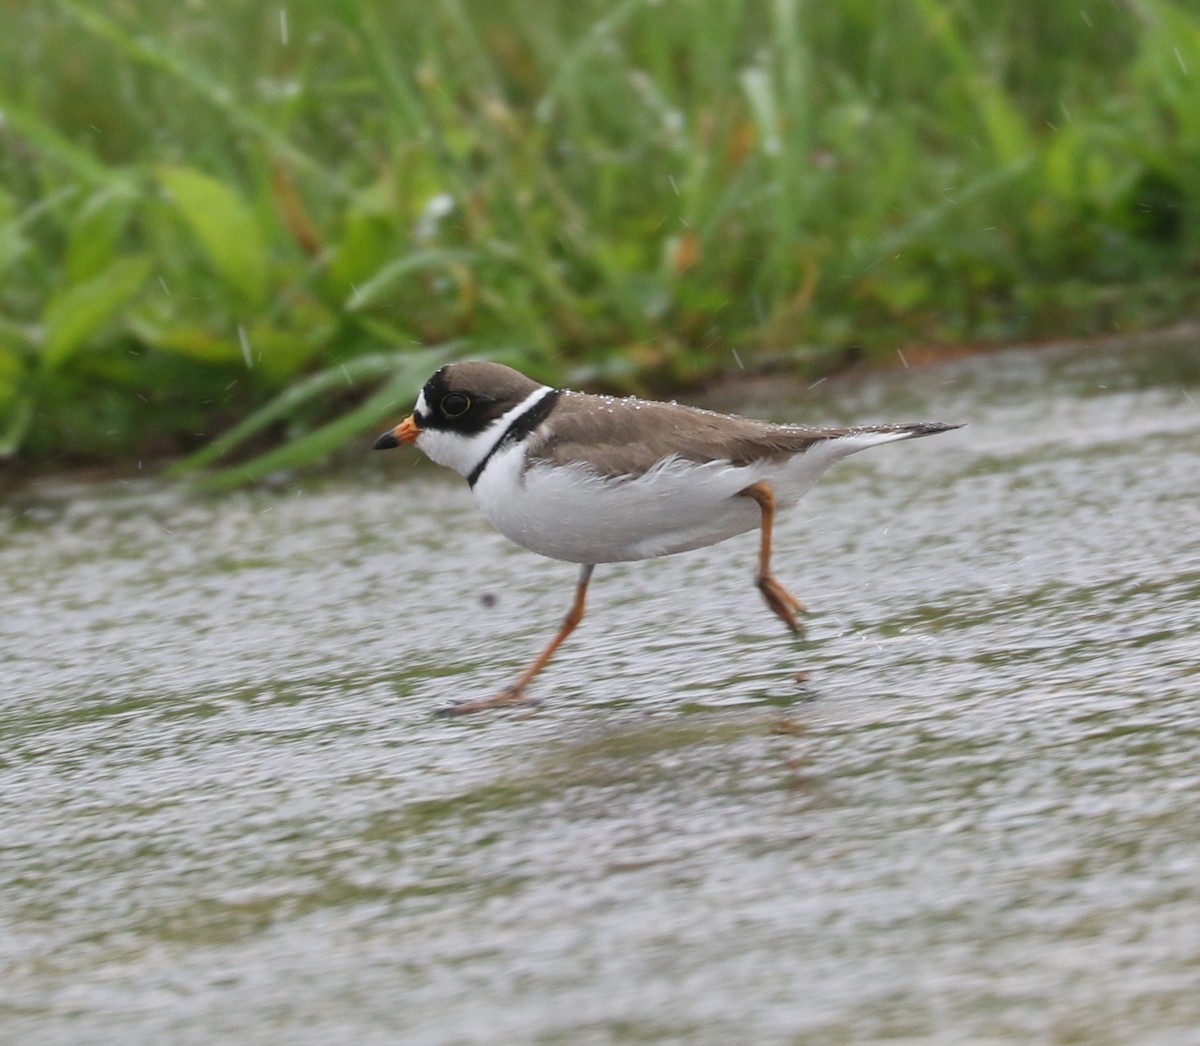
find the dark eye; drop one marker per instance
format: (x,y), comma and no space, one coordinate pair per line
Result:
(455,404)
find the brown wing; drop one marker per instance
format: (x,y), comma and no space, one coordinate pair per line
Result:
(628,436)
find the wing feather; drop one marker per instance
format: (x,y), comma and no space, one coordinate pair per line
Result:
(628,436)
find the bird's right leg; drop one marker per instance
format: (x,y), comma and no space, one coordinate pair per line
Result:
(515,694)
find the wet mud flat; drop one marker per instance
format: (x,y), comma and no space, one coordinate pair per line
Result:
(229,812)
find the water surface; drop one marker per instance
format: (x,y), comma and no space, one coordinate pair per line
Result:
(963,809)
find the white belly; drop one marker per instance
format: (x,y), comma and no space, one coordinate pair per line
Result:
(570,513)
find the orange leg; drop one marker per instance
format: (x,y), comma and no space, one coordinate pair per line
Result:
(515,694)
(784,605)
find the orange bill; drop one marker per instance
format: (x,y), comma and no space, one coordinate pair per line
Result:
(406,432)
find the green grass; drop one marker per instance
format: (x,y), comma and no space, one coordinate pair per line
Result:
(212,208)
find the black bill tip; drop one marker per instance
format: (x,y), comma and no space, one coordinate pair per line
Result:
(387,441)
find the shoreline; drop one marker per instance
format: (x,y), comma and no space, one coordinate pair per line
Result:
(721,392)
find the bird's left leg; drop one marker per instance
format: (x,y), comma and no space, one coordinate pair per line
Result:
(784,605)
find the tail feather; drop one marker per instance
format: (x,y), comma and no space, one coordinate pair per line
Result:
(833,444)
(906,430)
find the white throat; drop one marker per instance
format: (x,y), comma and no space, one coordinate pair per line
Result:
(463,452)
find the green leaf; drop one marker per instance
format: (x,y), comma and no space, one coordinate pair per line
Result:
(279,353)
(226,228)
(74,315)
(368,241)
(16,418)
(95,230)
(12,243)
(188,340)
(16,399)
(11,374)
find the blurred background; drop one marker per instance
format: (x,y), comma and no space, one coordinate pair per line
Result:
(282,215)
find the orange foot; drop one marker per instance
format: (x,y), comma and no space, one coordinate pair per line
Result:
(512,696)
(782,603)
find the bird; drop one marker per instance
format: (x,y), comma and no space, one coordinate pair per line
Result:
(593,479)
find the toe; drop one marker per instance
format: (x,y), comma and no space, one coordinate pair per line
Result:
(505,698)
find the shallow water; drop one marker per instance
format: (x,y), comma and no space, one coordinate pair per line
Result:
(227,812)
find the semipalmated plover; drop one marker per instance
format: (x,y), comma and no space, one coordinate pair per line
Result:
(593,479)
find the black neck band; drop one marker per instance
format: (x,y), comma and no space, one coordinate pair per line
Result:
(520,427)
